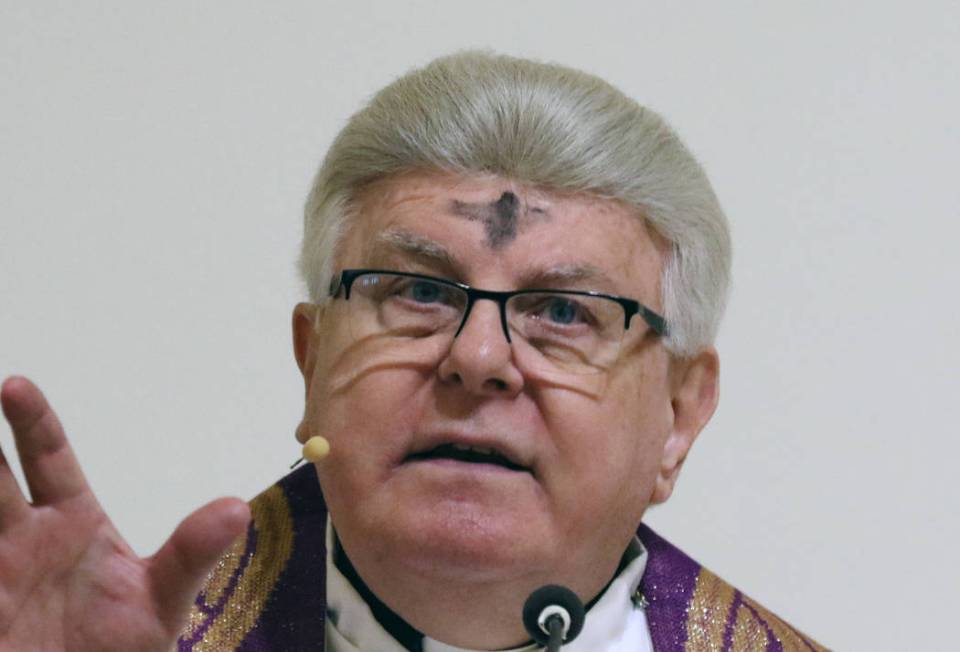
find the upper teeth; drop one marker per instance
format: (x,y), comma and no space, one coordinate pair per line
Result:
(475,449)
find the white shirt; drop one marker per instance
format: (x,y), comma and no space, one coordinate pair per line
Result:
(613,624)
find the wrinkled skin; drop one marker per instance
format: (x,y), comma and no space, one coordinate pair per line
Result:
(455,548)
(68,580)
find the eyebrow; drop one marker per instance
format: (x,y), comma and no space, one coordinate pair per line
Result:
(566,274)
(402,242)
(398,241)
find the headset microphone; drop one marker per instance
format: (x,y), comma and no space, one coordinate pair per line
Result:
(553,615)
(314,450)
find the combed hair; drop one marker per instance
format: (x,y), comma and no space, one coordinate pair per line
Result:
(542,124)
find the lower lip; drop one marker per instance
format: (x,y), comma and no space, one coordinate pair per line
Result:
(459,466)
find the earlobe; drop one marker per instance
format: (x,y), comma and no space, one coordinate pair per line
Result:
(303,431)
(695,393)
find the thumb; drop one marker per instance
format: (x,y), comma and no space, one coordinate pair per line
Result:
(179,568)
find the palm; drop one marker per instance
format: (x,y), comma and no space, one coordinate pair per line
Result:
(68,581)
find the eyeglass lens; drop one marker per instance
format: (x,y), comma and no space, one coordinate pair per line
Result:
(573,333)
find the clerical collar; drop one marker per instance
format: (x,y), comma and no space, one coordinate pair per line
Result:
(358,621)
(410,638)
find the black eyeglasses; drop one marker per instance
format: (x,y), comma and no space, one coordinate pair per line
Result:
(572,330)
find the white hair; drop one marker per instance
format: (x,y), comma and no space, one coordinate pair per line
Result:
(546,125)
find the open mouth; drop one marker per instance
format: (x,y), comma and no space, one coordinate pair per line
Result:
(469,454)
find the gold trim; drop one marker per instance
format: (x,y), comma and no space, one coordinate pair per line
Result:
(707,614)
(789,638)
(273,525)
(749,634)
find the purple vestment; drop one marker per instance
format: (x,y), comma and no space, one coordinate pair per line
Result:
(268,593)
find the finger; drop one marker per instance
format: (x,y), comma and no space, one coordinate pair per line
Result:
(179,568)
(12,503)
(49,465)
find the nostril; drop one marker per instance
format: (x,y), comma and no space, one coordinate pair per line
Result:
(498,384)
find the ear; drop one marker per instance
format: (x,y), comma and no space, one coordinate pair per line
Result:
(304,333)
(695,390)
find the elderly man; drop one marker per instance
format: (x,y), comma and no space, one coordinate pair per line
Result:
(516,275)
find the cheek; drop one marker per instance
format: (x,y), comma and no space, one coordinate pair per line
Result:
(358,383)
(369,425)
(611,445)
(366,397)
(371,417)
(602,473)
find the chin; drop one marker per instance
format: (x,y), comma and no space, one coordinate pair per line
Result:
(468,542)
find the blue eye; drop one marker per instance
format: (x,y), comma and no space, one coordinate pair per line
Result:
(563,311)
(425,292)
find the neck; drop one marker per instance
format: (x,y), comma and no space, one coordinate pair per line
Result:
(471,615)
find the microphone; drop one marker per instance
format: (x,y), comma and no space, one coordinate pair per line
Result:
(314,450)
(553,614)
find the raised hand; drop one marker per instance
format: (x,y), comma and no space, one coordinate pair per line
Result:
(68,580)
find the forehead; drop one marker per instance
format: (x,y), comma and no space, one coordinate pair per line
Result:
(490,231)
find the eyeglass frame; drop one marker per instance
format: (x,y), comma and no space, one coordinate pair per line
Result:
(656,322)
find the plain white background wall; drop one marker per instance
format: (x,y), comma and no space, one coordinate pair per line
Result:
(154,159)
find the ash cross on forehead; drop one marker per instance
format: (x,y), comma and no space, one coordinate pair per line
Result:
(502,219)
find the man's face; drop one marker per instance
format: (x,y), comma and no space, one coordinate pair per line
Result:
(595,450)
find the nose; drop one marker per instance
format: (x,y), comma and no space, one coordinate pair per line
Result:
(480,356)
